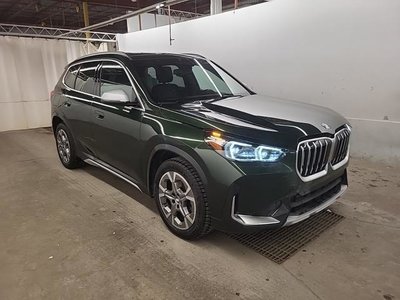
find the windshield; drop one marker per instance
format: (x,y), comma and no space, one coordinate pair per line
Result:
(182,80)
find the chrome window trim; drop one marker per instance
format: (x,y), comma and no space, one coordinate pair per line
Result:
(131,78)
(329,163)
(90,101)
(78,98)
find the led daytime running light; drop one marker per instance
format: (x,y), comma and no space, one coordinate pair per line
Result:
(240,151)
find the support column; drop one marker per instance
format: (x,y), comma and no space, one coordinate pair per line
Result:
(215,7)
(85,9)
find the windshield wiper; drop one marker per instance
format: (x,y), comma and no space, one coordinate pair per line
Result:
(224,96)
(192,99)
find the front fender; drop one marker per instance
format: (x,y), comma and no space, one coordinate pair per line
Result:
(179,148)
(188,154)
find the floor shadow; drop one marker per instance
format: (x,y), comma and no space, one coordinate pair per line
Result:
(276,245)
(122,186)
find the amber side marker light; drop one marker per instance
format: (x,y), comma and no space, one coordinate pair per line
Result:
(216,134)
(215,140)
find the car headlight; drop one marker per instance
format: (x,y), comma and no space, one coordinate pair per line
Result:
(241,151)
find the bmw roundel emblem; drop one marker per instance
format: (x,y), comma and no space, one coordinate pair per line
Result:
(326,126)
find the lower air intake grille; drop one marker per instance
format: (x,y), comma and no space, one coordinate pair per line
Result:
(313,156)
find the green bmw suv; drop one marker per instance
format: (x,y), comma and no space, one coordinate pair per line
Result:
(213,154)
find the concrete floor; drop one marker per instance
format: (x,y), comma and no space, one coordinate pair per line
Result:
(85,234)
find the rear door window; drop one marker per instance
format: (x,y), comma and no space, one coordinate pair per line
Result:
(85,81)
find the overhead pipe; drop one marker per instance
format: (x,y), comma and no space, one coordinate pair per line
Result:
(170,25)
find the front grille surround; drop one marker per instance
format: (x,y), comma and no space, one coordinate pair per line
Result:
(314,156)
(341,149)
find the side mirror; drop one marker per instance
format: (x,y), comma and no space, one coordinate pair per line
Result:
(115,97)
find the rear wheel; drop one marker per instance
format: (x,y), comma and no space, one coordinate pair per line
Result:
(66,147)
(181,199)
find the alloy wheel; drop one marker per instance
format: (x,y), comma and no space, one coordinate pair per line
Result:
(177,200)
(63,146)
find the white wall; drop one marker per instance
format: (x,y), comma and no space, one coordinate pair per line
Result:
(341,54)
(29,70)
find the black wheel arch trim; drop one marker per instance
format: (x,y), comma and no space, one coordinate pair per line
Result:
(178,152)
(62,120)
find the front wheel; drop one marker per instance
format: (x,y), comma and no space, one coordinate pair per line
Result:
(181,199)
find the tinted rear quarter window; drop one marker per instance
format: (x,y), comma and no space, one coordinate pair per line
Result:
(70,76)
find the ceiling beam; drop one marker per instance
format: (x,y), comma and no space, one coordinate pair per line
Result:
(132,14)
(132,5)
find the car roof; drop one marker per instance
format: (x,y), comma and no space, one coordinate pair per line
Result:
(135,56)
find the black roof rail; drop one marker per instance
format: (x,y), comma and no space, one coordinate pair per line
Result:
(130,55)
(195,55)
(100,54)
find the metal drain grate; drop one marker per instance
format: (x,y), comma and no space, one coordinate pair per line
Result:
(278,245)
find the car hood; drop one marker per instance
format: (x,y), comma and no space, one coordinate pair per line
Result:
(269,114)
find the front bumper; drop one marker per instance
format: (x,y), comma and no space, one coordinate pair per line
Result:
(250,197)
(293,205)
(329,198)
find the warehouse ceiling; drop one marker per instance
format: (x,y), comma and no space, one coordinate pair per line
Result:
(69,13)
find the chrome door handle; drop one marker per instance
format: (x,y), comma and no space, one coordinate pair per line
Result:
(67,104)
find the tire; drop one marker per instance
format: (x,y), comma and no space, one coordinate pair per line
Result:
(66,147)
(182,206)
